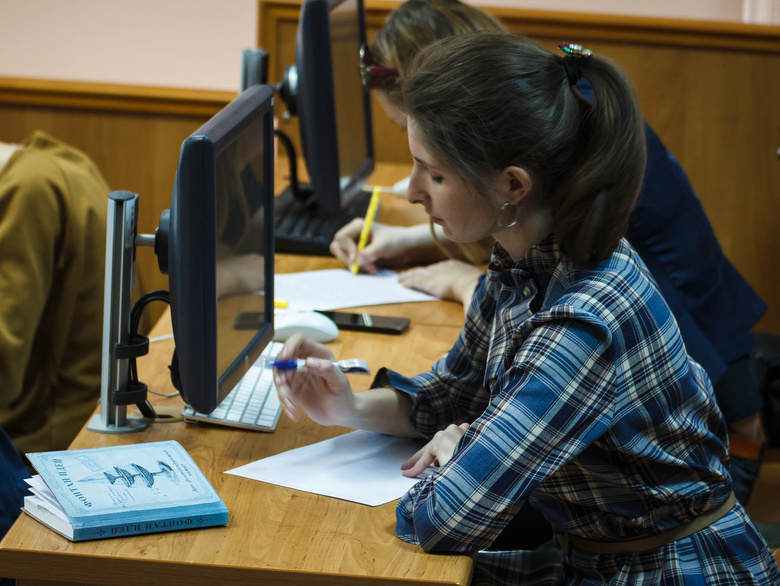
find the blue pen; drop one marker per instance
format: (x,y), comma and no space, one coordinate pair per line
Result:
(351,365)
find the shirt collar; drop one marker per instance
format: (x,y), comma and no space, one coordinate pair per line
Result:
(541,258)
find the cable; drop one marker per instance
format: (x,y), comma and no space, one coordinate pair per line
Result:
(144,407)
(300,194)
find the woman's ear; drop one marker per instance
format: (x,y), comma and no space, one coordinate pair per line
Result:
(517,184)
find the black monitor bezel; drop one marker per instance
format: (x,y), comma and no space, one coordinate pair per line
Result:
(192,251)
(315,103)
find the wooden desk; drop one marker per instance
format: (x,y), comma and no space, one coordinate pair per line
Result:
(275,535)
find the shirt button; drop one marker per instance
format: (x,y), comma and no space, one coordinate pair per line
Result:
(526,291)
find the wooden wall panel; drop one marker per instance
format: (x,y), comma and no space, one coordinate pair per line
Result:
(135,143)
(708,89)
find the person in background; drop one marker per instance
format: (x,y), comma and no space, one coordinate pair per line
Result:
(12,488)
(53,203)
(569,384)
(714,306)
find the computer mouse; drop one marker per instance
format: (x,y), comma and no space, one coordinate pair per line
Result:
(311,323)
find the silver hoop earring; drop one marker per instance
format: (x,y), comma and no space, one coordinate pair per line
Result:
(503,210)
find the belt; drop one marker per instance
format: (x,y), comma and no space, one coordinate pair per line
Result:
(566,540)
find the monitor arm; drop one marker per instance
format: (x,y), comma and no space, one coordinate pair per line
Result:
(119,384)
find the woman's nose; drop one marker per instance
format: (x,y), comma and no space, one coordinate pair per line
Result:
(414,191)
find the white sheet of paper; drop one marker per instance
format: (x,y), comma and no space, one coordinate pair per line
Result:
(360,466)
(339,288)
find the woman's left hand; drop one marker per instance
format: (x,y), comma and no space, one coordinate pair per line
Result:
(438,451)
(447,279)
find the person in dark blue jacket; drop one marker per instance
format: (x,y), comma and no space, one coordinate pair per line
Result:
(12,487)
(713,304)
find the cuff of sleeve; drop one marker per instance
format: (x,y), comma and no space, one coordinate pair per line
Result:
(403,520)
(389,378)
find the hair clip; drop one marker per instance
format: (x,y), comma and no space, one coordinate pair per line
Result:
(575,50)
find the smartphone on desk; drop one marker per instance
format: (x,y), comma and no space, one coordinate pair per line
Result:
(363,322)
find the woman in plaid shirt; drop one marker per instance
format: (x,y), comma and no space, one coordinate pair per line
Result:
(569,386)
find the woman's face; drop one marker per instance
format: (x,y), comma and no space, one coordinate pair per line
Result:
(463,213)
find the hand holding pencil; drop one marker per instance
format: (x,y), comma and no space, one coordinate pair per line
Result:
(369,220)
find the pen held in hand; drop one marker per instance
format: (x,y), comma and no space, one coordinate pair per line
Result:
(364,233)
(350,366)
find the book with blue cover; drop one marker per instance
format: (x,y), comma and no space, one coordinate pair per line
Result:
(114,491)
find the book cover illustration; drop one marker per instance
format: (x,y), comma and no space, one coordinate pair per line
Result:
(123,490)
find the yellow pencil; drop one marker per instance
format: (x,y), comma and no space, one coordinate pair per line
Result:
(370,214)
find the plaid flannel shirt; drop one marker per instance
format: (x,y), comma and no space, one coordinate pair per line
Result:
(582,400)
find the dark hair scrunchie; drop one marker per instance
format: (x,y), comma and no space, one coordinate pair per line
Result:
(573,73)
(571,61)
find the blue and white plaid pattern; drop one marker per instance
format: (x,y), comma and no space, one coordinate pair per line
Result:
(583,401)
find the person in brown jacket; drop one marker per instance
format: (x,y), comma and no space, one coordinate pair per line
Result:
(53,202)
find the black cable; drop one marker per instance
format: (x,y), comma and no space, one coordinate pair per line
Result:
(144,407)
(140,305)
(299,194)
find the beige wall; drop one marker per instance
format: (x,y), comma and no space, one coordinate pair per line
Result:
(197,43)
(171,43)
(748,11)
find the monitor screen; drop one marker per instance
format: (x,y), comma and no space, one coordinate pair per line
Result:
(333,106)
(220,248)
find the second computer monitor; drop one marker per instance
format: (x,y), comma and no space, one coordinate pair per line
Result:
(333,106)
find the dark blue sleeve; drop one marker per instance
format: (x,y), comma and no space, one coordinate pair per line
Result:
(12,485)
(714,305)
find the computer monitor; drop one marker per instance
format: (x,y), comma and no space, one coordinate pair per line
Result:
(220,248)
(333,107)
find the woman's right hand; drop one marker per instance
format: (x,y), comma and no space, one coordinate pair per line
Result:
(322,391)
(388,246)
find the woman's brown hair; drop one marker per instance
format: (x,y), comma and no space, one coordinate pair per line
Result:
(417,23)
(486,101)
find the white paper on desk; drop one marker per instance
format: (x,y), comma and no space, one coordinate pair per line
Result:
(360,466)
(339,288)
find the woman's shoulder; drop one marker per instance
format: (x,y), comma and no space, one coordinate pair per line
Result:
(616,290)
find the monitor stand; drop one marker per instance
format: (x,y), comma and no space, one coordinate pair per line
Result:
(116,389)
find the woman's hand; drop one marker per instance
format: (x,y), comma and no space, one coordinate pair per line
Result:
(388,246)
(322,391)
(438,451)
(449,279)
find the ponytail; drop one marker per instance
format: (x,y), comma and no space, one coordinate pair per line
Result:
(592,206)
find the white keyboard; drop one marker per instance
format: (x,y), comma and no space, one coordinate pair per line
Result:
(252,404)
